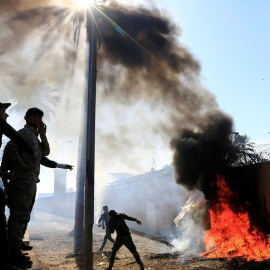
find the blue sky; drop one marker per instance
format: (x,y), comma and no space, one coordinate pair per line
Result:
(230,38)
(231,41)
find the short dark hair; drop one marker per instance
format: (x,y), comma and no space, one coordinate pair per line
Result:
(32,111)
(105,207)
(112,213)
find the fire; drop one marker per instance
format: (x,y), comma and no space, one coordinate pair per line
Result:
(231,235)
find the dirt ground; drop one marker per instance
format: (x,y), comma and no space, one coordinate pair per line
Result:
(49,235)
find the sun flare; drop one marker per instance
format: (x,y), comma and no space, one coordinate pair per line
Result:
(83,3)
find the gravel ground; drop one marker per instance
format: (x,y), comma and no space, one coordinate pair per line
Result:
(49,234)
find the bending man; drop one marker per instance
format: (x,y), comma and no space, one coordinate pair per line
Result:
(117,223)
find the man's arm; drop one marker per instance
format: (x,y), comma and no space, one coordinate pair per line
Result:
(11,133)
(110,226)
(100,219)
(52,164)
(42,128)
(48,163)
(131,218)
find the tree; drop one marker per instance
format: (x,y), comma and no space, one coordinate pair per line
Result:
(244,152)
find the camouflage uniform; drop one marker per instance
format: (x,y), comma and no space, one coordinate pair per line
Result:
(118,223)
(23,185)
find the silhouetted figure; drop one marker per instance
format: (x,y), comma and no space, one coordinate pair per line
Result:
(117,223)
(103,221)
(7,130)
(24,183)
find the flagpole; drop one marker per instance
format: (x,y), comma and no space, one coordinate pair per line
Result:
(90,143)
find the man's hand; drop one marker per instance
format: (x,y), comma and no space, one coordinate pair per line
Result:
(138,222)
(70,167)
(42,128)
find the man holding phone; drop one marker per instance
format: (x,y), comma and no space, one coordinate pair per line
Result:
(25,176)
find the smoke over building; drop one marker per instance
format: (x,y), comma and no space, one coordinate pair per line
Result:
(143,71)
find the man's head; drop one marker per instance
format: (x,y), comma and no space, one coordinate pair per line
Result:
(112,213)
(105,209)
(33,116)
(3,107)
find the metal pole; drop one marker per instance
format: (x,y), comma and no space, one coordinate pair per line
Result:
(90,144)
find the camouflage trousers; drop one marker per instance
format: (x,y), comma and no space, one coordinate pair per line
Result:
(23,193)
(125,240)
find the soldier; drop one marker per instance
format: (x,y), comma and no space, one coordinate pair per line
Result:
(104,219)
(23,184)
(117,223)
(7,166)
(7,130)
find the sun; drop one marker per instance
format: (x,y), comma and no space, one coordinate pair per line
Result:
(83,3)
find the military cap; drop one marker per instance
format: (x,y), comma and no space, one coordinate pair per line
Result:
(4,105)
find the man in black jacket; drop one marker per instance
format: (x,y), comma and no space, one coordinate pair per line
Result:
(117,223)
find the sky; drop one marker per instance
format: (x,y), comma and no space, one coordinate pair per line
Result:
(228,38)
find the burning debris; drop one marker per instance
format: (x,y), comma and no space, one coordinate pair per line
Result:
(231,232)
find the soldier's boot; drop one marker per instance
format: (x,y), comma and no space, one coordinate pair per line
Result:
(109,268)
(18,259)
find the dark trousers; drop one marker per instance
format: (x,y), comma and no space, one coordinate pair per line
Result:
(108,236)
(3,230)
(22,197)
(125,240)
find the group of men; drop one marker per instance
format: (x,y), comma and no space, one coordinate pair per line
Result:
(113,221)
(20,167)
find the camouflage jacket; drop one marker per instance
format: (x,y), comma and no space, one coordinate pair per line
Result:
(20,159)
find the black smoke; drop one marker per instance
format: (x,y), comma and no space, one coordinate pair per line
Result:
(140,58)
(202,138)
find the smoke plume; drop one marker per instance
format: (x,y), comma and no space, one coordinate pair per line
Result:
(166,75)
(149,88)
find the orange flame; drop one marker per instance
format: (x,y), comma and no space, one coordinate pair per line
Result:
(231,235)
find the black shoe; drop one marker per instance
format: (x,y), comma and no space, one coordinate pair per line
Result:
(22,263)
(10,267)
(25,247)
(109,268)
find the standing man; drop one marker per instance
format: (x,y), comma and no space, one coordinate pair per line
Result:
(23,184)
(104,219)
(7,130)
(117,223)
(6,166)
